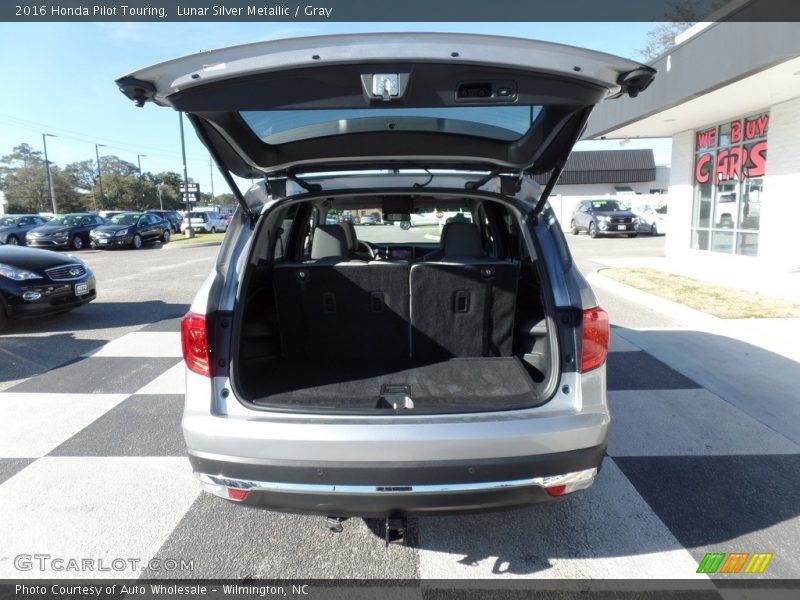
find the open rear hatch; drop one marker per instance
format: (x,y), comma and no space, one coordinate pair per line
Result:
(399,100)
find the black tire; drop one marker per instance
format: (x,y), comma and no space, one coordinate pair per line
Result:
(592,230)
(165,237)
(77,242)
(12,240)
(405,225)
(213,229)
(574,228)
(653,229)
(137,241)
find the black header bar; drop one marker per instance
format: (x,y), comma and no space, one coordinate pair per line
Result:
(396,10)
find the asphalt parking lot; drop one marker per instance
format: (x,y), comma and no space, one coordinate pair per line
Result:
(91,400)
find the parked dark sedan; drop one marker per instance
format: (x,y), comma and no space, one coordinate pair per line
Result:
(604,217)
(171,216)
(35,282)
(13,228)
(65,231)
(131,230)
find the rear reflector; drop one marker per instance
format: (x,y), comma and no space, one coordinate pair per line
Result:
(237,494)
(556,490)
(596,336)
(559,485)
(194,342)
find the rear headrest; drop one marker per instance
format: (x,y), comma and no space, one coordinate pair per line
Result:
(350,235)
(461,240)
(329,241)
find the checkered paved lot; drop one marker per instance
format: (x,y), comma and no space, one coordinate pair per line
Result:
(92,465)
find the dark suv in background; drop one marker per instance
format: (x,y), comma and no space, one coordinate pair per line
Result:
(604,217)
(170,216)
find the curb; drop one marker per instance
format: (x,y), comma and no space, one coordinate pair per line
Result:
(674,310)
(193,245)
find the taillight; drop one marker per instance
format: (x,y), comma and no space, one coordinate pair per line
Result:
(596,335)
(194,342)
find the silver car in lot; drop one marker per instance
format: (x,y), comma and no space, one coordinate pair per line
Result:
(337,377)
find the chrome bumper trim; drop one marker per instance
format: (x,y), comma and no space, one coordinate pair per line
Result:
(216,484)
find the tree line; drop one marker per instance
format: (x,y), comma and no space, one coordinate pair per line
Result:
(23,180)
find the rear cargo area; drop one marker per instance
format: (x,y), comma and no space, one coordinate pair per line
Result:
(457,384)
(325,328)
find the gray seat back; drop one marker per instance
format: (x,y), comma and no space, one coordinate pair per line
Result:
(348,310)
(462,309)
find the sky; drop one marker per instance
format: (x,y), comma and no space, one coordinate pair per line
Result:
(58,78)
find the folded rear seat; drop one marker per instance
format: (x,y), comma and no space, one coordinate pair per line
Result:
(463,305)
(332,308)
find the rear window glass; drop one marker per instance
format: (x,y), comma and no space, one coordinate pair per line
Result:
(507,123)
(423,226)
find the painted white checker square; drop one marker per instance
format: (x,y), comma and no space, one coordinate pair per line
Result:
(92,508)
(34,424)
(686,423)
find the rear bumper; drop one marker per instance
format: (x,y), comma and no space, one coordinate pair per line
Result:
(399,488)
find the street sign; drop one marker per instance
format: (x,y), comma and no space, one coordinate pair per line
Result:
(190,196)
(192,188)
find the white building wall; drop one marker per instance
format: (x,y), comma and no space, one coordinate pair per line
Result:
(779,244)
(681,191)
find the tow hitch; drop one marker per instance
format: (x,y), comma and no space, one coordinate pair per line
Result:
(335,524)
(395,530)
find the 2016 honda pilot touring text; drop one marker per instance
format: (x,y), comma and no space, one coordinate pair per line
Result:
(343,370)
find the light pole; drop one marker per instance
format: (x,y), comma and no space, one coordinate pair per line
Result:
(139,159)
(100,174)
(211,170)
(160,195)
(189,231)
(49,174)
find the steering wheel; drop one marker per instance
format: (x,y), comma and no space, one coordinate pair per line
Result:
(373,253)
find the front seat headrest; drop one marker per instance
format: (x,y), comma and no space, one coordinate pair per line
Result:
(329,242)
(461,240)
(350,235)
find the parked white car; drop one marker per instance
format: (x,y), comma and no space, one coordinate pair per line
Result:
(649,220)
(207,221)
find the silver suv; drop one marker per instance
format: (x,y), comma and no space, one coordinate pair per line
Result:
(459,369)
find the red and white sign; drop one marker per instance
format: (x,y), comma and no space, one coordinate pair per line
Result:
(748,158)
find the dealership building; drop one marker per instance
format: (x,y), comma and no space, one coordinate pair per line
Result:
(728,94)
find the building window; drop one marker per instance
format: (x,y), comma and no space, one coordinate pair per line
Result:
(729,166)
